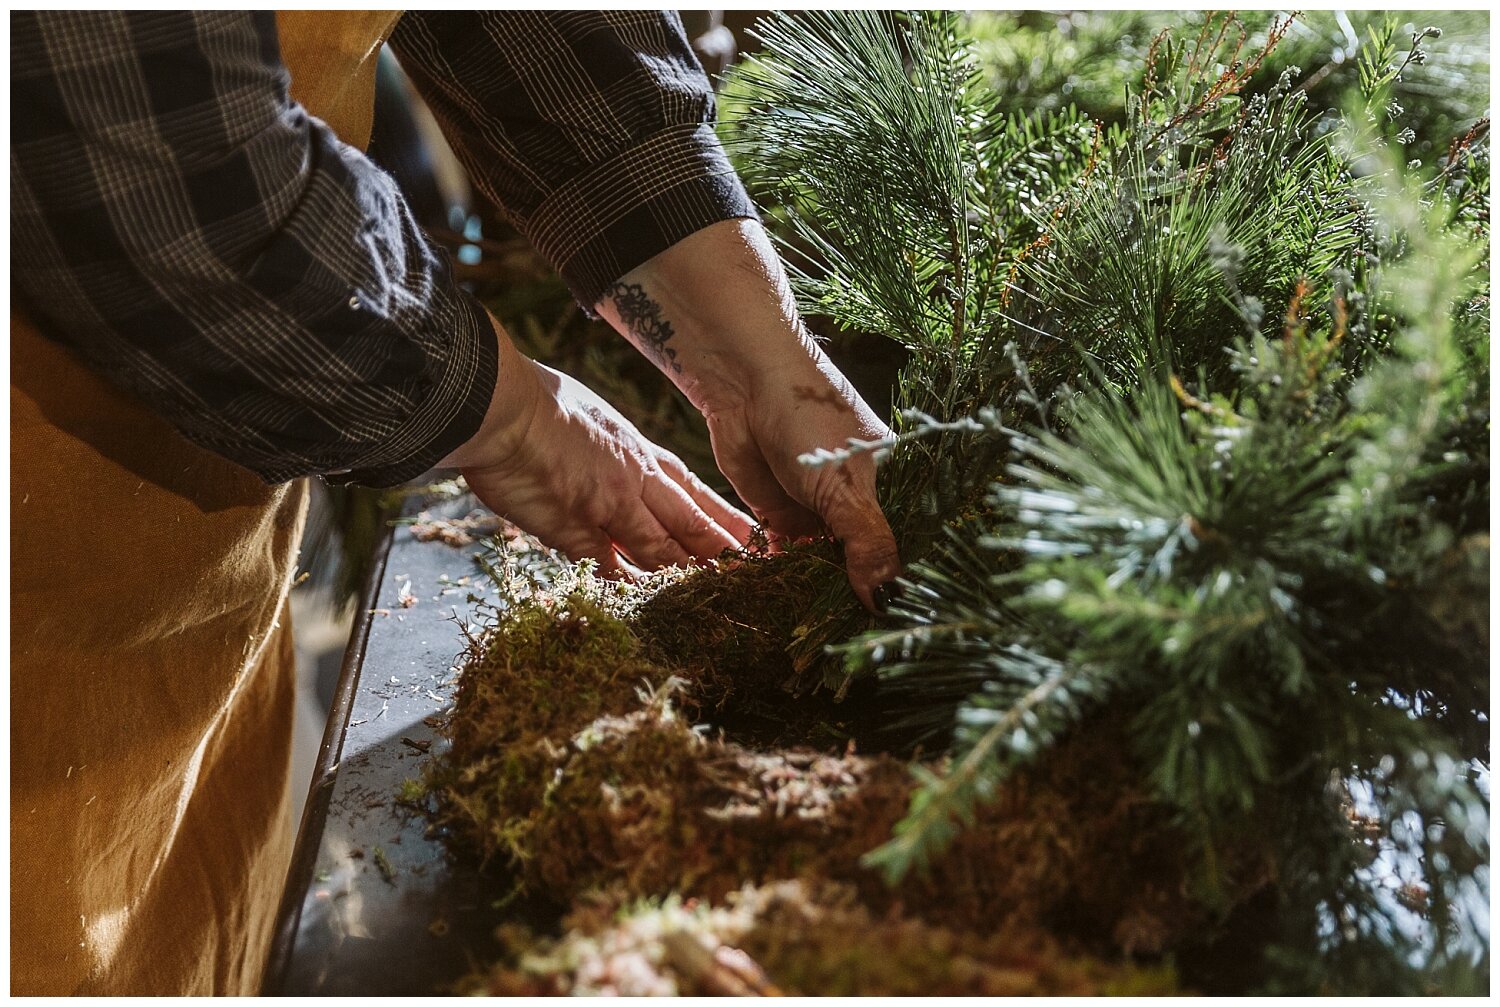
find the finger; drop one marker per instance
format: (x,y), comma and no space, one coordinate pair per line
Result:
(589,544)
(685,521)
(642,538)
(742,463)
(593,545)
(728,517)
(789,522)
(628,570)
(783,517)
(870,554)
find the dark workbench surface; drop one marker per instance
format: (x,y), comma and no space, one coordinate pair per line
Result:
(372,904)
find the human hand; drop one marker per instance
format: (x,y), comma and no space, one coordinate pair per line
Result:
(717,315)
(565,466)
(786,412)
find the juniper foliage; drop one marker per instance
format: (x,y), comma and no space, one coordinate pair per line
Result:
(1249,355)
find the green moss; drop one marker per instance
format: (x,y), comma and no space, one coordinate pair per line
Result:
(535,678)
(411,792)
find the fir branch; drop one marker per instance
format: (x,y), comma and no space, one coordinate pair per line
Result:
(904,204)
(942,802)
(1237,530)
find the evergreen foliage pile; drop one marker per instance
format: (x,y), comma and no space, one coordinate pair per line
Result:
(1041,60)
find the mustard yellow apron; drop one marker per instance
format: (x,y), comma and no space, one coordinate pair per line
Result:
(152,676)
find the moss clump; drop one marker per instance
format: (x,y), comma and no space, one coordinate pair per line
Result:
(791,937)
(574,760)
(728,627)
(531,681)
(646,804)
(730,630)
(547,669)
(580,761)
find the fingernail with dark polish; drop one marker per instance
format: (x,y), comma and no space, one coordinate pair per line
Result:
(882,598)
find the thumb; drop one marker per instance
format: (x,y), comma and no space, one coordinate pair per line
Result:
(853,514)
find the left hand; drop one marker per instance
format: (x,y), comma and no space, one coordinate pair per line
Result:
(564,465)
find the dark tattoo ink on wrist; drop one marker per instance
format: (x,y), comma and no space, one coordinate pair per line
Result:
(642,317)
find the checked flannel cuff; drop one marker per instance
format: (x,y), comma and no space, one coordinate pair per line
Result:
(591,130)
(604,223)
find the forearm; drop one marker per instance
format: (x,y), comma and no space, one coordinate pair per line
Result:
(715,312)
(521,389)
(591,130)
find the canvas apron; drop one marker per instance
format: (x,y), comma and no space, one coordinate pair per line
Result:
(152,679)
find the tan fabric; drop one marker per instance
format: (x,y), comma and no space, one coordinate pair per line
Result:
(332,57)
(151,660)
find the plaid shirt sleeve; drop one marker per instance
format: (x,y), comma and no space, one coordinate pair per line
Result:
(592,130)
(198,238)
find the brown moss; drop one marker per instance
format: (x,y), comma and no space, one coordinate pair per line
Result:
(576,762)
(732,629)
(728,627)
(796,938)
(566,766)
(645,803)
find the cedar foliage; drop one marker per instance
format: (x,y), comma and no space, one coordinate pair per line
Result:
(1195,426)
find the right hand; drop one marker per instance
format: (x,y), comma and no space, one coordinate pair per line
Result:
(740,353)
(562,464)
(787,411)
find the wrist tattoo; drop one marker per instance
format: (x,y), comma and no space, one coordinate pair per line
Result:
(642,316)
